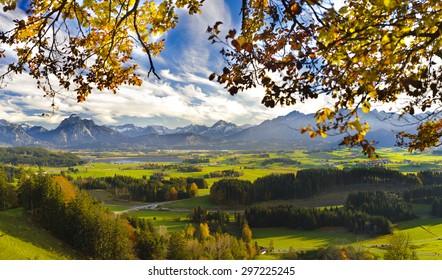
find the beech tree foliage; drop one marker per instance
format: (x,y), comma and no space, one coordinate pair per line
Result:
(84,45)
(363,53)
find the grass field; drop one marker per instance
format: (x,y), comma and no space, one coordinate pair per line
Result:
(203,201)
(21,240)
(426,232)
(302,240)
(251,163)
(170,220)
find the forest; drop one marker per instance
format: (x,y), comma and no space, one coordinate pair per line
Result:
(37,156)
(306,183)
(313,218)
(62,206)
(143,189)
(91,228)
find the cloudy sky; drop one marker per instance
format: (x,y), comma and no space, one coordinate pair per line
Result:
(184,95)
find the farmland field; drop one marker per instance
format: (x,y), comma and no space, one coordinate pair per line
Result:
(170,220)
(253,165)
(172,216)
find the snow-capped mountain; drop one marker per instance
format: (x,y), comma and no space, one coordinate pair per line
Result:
(279,133)
(222,129)
(15,135)
(75,130)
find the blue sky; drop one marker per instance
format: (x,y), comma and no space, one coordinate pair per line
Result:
(184,95)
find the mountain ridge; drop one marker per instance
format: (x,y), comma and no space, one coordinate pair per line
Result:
(282,132)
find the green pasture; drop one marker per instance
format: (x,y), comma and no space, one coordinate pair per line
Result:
(250,163)
(425,234)
(20,239)
(171,220)
(203,201)
(108,199)
(117,208)
(302,240)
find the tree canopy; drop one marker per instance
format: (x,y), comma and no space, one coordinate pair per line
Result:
(364,53)
(85,45)
(358,55)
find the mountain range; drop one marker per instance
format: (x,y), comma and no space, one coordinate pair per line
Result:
(282,132)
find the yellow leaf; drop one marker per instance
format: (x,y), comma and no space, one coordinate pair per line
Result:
(373,94)
(241,40)
(356,124)
(305,129)
(385,38)
(366,107)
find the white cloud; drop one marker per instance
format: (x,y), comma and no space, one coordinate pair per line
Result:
(184,93)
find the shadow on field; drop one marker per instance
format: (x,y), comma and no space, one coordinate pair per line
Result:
(423,222)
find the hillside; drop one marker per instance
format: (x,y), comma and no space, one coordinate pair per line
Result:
(37,156)
(22,240)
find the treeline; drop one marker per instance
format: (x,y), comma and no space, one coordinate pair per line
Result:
(8,193)
(142,189)
(97,233)
(423,195)
(370,212)
(382,203)
(430,177)
(426,195)
(79,220)
(231,191)
(196,160)
(218,221)
(436,207)
(306,183)
(313,218)
(284,161)
(189,168)
(229,173)
(37,156)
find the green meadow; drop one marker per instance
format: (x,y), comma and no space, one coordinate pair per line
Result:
(252,164)
(170,221)
(20,239)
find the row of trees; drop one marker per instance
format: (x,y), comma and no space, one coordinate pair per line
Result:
(142,189)
(189,168)
(229,173)
(97,233)
(313,218)
(284,161)
(80,221)
(430,177)
(364,212)
(37,156)
(423,195)
(306,183)
(436,207)
(383,203)
(8,193)
(197,160)
(217,221)
(197,243)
